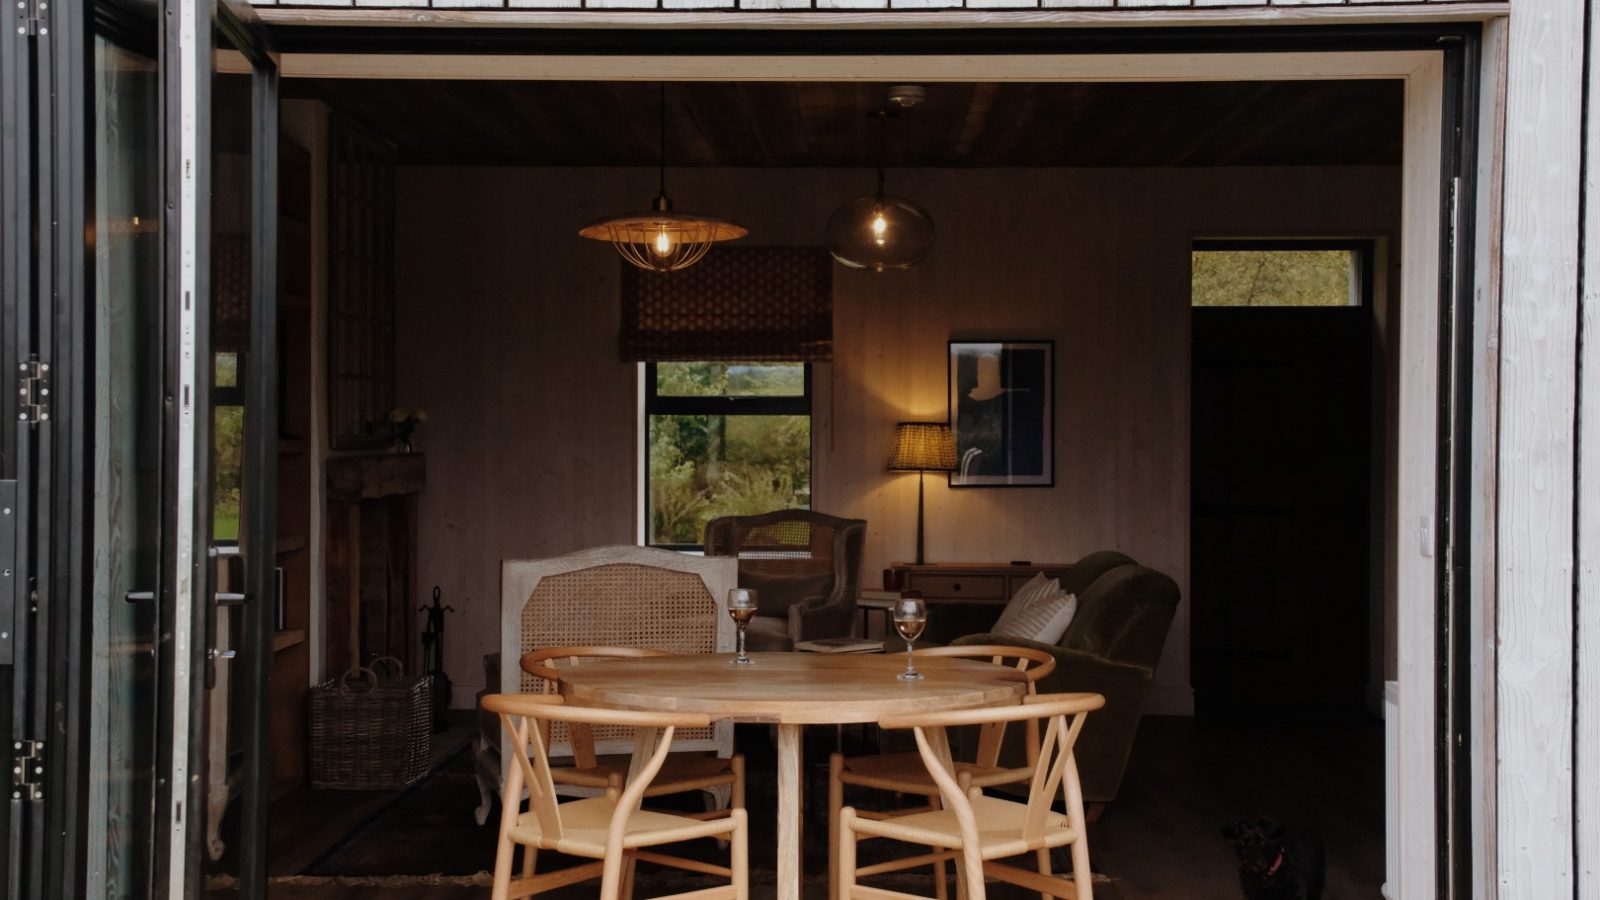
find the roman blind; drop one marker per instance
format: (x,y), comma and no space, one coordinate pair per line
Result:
(739,303)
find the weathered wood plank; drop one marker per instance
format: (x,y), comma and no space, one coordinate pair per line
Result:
(1485,453)
(754,16)
(1538,371)
(1587,749)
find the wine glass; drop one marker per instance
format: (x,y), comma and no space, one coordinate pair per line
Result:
(910,616)
(742,607)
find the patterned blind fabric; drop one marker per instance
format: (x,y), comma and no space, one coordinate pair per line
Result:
(739,303)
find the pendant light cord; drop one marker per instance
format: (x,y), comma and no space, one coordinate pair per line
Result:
(883,126)
(663,108)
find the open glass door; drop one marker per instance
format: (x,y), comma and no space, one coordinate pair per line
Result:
(221,91)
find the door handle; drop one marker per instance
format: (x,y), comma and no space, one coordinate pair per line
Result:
(139,597)
(230,571)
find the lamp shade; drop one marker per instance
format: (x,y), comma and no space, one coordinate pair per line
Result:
(923,447)
(880,232)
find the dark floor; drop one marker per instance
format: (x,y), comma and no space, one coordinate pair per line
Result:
(1159,840)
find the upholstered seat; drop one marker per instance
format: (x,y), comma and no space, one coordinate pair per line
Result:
(804,566)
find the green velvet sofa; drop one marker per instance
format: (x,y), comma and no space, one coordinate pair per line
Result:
(1111,648)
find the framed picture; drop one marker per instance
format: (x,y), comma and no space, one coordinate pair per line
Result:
(1002,410)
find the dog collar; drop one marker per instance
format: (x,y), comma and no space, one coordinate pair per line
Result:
(1276,864)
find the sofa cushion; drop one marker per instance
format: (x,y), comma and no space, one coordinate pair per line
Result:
(781,583)
(1039,611)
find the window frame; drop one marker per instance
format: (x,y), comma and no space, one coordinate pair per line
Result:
(656,404)
(1364,251)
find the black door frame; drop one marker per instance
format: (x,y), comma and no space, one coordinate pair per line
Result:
(189,614)
(62,520)
(1460,46)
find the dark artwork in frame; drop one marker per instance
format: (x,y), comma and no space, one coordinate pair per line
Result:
(1002,406)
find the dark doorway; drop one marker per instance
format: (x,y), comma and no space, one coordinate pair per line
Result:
(1281,499)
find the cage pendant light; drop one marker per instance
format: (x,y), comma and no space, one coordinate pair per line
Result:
(662,240)
(880,231)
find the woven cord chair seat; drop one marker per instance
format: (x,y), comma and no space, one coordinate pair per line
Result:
(584,824)
(904,773)
(999,828)
(681,772)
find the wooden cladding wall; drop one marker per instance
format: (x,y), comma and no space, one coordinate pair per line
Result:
(360,286)
(533,443)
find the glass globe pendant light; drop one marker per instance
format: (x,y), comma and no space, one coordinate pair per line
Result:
(880,231)
(661,239)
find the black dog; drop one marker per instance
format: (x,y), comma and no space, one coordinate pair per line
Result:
(1276,863)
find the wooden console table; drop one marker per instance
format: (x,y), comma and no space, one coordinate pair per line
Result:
(971,582)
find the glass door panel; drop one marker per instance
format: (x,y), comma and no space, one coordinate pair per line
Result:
(240,384)
(127,478)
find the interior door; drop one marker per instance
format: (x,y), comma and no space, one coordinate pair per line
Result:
(222,84)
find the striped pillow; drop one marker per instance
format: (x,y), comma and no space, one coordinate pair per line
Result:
(1039,611)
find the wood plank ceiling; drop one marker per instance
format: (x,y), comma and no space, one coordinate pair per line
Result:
(545,123)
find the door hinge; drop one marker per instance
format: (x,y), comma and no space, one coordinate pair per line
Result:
(27,770)
(33,392)
(32,20)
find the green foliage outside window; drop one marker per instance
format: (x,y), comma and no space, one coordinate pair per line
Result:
(1273,278)
(702,466)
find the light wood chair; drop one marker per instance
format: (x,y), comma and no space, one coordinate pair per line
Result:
(975,830)
(903,773)
(681,773)
(611,828)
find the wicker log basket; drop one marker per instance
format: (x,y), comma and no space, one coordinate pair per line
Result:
(371,728)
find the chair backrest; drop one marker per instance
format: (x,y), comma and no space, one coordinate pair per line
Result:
(1124,616)
(1034,664)
(546,664)
(527,717)
(789,555)
(1054,770)
(618,597)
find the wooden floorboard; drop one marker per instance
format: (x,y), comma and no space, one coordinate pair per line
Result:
(1161,839)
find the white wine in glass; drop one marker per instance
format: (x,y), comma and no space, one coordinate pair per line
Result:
(910,617)
(742,607)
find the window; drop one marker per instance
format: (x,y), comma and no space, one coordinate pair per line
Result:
(723,438)
(1278,273)
(227,444)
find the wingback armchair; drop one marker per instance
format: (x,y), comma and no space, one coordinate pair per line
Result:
(804,566)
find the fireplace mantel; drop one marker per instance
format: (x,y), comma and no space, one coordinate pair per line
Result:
(374,476)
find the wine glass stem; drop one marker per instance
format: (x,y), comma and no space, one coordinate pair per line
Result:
(911,666)
(741,640)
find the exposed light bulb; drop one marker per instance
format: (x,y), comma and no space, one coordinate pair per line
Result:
(880,227)
(663,243)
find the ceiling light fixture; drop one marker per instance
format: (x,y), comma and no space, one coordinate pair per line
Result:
(662,240)
(880,231)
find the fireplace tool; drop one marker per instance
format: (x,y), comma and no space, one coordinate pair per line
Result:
(433,658)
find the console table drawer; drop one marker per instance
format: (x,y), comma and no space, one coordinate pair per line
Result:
(959,587)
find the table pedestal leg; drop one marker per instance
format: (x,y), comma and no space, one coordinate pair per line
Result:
(790,843)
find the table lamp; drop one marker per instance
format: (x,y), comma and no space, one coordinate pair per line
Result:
(922,447)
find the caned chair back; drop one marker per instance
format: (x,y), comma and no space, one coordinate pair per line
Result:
(526,718)
(546,664)
(1054,770)
(1034,664)
(616,597)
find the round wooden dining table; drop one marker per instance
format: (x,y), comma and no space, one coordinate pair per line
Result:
(791,690)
